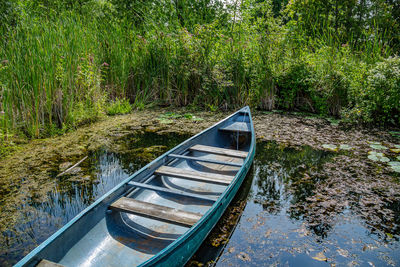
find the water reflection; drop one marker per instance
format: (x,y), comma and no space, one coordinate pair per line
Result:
(41,215)
(289,220)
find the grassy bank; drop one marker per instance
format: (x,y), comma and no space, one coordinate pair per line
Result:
(63,66)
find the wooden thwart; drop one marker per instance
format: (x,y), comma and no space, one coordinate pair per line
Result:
(219,151)
(47,263)
(206,160)
(194,175)
(174,192)
(241,127)
(156,212)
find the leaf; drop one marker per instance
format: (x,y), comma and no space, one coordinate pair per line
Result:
(320,257)
(374,143)
(389,235)
(345,147)
(197,119)
(377,156)
(330,147)
(395,150)
(378,147)
(395,165)
(188,116)
(166,121)
(333,121)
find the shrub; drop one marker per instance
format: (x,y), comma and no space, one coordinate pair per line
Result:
(377,97)
(294,85)
(119,106)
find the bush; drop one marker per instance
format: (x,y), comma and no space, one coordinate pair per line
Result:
(119,106)
(294,85)
(376,98)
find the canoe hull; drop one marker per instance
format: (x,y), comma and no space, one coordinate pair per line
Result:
(71,244)
(179,254)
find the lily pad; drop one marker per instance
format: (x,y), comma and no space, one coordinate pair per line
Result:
(374,143)
(395,165)
(194,118)
(396,149)
(377,146)
(398,158)
(165,121)
(377,156)
(330,147)
(345,147)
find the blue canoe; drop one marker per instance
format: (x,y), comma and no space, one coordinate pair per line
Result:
(161,214)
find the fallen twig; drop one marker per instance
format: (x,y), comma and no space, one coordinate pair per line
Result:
(67,170)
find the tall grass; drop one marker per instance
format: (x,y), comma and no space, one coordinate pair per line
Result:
(58,71)
(50,67)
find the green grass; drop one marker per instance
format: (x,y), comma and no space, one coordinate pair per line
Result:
(60,70)
(119,106)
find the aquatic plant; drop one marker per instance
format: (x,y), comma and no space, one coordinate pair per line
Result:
(377,156)
(119,106)
(395,165)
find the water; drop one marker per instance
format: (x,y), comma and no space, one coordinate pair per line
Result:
(36,220)
(270,222)
(278,227)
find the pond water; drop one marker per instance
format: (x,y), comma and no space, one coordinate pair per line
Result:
(37,220)
(268,223)
(274,226)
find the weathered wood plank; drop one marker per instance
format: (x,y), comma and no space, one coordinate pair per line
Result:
(170,191)
(194,175)
(206,160)
(241,127)
(156,212)
(219,151)
(47,263)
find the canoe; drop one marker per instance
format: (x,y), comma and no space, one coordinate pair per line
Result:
(161,214)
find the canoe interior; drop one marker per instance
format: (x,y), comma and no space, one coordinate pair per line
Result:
(101,236)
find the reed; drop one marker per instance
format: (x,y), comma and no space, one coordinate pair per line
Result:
(59,69)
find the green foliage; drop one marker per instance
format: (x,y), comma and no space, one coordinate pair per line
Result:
(119,106)
(293,85)
(8,13)
(377,156)
(62,61)
(377,97)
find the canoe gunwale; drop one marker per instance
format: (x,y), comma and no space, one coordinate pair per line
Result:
(113,194)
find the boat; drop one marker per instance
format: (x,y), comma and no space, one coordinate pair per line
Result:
(160,215)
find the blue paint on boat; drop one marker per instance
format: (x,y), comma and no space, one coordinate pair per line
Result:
(99,236)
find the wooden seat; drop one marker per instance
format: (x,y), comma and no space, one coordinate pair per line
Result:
(206,160)
(194,175)
(156,212)
(219,151)
(174,192)
(241,127)
(47,263)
